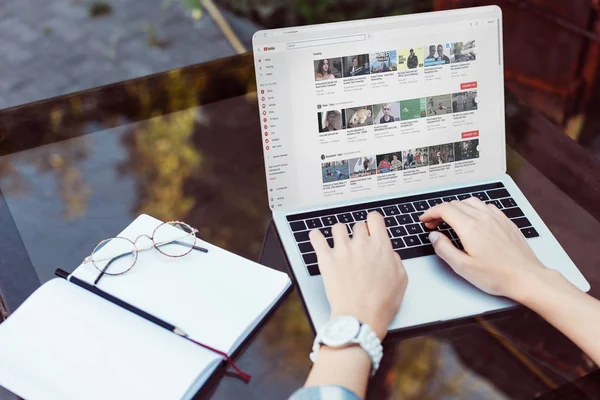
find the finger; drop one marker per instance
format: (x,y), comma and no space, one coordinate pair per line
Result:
(449,212)
(447,252)
(359,231)
(376,226)
(475,203)
(319,243)
(340,235)
(494,210)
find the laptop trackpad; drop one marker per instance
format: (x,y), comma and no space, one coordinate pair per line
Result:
(436,293)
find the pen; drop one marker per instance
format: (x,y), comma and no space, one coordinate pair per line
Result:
(149,317)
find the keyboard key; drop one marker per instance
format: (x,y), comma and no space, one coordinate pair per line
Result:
(513,212)
(310,258)
(329,220)
(447,234)
(413,252)
(452,233)
(434,202)
(463,196)
(404,219)
(521,222)
(389,233)
(498,194)
(313,270)
(301,236)
(345,218)
(326,232)
(314,223)
(390,221)
(508,202)
(305,247)
(330,242)
(376,210)
(529,232)
(481,196)
(443,226)
(412,240)
(298,226)
(414,229)
(421,205)
(359,215)
(397,243)
(425,228)
(406,208)
(496,203)
(391,210)
(448,199)
(398,231)
(415,216)
(425,238)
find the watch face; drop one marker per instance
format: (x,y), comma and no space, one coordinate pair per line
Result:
(340,331)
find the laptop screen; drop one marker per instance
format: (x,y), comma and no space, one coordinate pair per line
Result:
(376,107)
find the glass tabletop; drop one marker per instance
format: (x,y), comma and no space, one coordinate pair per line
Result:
(184,145)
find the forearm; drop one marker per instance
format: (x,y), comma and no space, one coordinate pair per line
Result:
(574,313)
(348,367)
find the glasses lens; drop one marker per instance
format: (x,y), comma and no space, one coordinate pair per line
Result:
(174,239)
(114,256)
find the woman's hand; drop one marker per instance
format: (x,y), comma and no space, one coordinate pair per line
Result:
(363,276)
(497,258)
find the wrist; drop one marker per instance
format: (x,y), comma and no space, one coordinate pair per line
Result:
(537,284)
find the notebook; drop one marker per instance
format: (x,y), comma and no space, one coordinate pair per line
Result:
(64,342)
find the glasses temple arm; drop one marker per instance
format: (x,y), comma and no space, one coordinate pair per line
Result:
(202,249)
(108,265)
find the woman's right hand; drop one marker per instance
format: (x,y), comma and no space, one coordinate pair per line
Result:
(497,258)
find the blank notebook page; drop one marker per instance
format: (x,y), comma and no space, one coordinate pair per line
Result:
(213,297)
(65,343)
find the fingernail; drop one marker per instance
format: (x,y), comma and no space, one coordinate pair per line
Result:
(433,236)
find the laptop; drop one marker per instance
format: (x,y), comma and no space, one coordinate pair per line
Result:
(392,115)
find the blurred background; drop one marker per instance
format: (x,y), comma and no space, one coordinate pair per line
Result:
(53,47)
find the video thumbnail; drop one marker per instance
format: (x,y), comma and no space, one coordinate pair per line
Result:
(355,65)
(328,68)
(441,154)
(439,105)
(462,51)
(384,61)
(362,166)
(330,120)
(386,112)
(415,158)
(358,116)
(335,171)
(389,162)
(466,150)
(464,101)
(410,58)
(413,109)
(437,55)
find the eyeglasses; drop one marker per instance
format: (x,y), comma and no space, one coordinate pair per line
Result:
(116,256)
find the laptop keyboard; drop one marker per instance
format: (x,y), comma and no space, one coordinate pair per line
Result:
(408,235)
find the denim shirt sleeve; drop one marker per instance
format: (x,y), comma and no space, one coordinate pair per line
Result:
(329,392)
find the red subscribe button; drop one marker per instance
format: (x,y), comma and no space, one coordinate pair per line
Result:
(470,134)
(468,85)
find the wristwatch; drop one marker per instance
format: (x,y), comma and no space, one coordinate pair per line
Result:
(344,331)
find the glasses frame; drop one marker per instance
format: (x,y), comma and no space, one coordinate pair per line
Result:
(137,250)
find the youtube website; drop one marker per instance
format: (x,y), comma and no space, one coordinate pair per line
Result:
(398,111)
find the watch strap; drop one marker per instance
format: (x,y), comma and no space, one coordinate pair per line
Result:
(366,339)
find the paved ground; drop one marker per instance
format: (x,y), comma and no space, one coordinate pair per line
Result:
(53,47)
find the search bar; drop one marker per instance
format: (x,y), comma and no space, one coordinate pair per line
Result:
(325,42)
